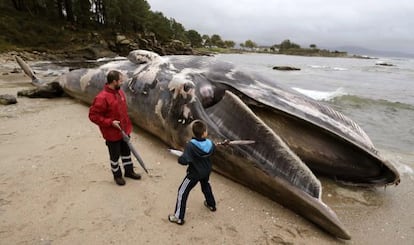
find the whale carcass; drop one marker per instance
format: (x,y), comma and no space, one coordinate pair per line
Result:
(295,137)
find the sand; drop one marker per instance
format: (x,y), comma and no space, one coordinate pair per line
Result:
(56,188)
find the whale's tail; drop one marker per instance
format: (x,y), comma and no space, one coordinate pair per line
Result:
(43,89)
(28,71)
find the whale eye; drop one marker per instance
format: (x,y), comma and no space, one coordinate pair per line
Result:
(209,95)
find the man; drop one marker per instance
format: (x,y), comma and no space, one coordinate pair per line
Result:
(109,111)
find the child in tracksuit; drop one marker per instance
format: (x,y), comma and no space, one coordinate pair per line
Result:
(196,155)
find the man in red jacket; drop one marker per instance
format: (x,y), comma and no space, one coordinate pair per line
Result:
(109,111)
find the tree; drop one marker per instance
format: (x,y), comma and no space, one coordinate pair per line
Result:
(206,41)
(286,44)
(160,26)
(69,11)
(178,30)
(126,15)
(229,44)
(194,38)
(250,44)
(216,41)
(82,12)
(312,46)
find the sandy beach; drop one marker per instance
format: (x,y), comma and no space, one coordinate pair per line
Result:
(56,188)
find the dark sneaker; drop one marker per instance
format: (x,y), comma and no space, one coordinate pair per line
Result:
(176,220)
(212,209)
(132,175)
(119,181)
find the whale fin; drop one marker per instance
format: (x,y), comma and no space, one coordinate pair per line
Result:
(142,56)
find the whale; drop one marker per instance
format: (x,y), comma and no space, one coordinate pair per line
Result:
(296,139)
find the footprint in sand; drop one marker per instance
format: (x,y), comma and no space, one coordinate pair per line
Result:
(227,229)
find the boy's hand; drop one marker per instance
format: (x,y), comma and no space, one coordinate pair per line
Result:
(225,142)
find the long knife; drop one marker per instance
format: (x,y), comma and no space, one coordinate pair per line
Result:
(178,153)
(236,142)
(131,147)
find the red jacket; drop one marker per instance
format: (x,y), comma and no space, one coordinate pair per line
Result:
(110,105)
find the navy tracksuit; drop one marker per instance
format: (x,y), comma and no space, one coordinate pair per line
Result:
(196,155)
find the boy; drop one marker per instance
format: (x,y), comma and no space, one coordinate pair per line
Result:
(196,155)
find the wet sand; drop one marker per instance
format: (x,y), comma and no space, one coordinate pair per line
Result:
(56,188)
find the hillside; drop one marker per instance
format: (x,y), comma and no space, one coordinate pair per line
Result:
(23,32)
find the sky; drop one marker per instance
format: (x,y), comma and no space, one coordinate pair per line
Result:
(374,24)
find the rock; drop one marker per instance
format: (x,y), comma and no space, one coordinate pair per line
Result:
(15,70)
(7,99)
(382,63)
(286,68)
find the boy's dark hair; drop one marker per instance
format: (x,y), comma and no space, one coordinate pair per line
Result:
(113,76)
(199,127)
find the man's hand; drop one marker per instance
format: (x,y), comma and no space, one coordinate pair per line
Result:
(116,124)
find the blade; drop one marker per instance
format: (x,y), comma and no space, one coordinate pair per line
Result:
(241,142)
(175,152)
(236,142)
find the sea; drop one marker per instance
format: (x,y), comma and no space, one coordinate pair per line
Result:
(376,92)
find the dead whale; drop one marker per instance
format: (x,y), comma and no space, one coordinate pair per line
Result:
(296,137)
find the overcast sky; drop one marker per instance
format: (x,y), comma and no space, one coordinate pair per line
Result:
(374,24)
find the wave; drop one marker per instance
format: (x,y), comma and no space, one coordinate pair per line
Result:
(326,68)
(340,97)
(320,95)
(358,101)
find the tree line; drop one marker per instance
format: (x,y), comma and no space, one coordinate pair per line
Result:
(128,16)
(124,16)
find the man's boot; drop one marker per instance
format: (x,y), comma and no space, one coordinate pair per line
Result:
(116,171)
(129,172)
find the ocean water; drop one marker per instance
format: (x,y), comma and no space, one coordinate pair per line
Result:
(379,98)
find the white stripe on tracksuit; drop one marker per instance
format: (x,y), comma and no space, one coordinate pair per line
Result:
(180,195)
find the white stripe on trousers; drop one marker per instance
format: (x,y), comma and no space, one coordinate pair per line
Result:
(126,160)
(180,196)
(114,166)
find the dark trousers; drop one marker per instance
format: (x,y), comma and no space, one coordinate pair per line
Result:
(119,149)
(184,190)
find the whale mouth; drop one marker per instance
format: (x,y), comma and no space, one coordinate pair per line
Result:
(286,155)
(323,147)
(268,166)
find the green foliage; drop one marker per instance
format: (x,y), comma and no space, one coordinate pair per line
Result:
(59,24)
(160,26)
(287,44)
(229,44)
(216,40)
(126,15)
(206,41)
(178,30)
(250,44)
(196,41)
(20,30)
